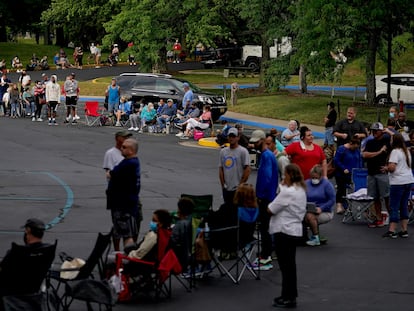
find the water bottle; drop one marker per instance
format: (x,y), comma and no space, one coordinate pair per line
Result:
(167,127)
(206,232)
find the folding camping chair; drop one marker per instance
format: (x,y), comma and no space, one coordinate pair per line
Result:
(147,277)
(245,238)
(22,273)
(92,114)
(84,286)
(359,204)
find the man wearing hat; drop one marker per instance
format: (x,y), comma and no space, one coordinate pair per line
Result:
(266,185)
(71,92)
(376,153)
(167,113)
(234,166)
(113,156)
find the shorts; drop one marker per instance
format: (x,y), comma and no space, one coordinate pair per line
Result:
(325,217)
(52,105)
(71,101)
(124,225)
(378,186)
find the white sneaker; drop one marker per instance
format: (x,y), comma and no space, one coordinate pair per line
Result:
(180,134)
(131,128)
(140,131)
(118,124)
(77,117)
(136,129)
(39,120)
(33,119)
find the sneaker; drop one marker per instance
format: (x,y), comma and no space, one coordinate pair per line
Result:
(140,131)
(74,122)
(179,126)
(403,234)
(184,137)
(380,223)
(29,114)
(54,122)
(50,122)
(262,267)
(284,303)
(39,120)
(77,117)
(164,131)
(266,261)
(390,234)
(179,134)
(66,121)
(314,241)
(118,124)
(375,224)
(131,128)
(136,129)
(33,119)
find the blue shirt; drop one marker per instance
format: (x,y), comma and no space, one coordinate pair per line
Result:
(188,96)
(113,94)
(267,176)
(322,194)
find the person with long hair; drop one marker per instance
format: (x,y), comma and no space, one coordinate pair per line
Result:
(401,180)
(288,210)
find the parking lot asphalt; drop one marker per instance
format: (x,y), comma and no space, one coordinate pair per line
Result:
(54,173)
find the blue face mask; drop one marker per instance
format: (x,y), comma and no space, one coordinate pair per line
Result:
(153,226)
(392,114)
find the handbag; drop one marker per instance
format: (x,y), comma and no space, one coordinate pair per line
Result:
(42,100)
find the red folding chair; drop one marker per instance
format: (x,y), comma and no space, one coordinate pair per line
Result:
(92,114)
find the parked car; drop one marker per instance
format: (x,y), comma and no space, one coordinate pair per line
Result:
(402,82)
(152,87)
(225,56)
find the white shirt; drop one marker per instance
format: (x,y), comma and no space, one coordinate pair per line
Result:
(112,158)
(288,209)
(402,174)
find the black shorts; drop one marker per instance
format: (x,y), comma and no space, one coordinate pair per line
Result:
(71,101)
(124,225)
(52,105)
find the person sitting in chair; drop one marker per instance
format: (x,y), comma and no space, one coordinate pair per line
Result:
(202,122)
(34,230)
(123,111)
(181,237)
(320,192)
(146,249)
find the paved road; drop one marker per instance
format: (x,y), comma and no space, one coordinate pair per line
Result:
(54,173)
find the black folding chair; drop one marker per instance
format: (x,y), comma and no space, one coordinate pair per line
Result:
(22,273)
(84,286)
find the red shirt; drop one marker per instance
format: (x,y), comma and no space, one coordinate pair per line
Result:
(304,158)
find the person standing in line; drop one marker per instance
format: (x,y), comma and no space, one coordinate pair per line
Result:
(376,153)
(113,156)
(123,194)
(70,88)
(234,167)
(287,212)
(113,92)
(347,128)
(401,181)
(330,121)
(52,98)
(266,186)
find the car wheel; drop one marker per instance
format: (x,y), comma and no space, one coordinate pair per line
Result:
(253,66)
(383,100)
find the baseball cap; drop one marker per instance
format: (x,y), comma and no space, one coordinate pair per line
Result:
(169,100)
(123,133)
(377,126)
(72,74)
(257,135)
(34,223)
(185,84)
(233,131)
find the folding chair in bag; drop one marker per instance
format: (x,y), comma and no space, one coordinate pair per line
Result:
(359,204)
(92,114)
(244,238)
(22,273)
(84,286)
(149,277)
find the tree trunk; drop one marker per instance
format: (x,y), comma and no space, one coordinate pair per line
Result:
(60,37)
(264,61)
(370,65)
(302,80)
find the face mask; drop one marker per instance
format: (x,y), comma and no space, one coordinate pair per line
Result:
(315,181)
(392,114)
(153,226)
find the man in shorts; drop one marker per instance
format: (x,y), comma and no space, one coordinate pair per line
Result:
(376,153)
(123,194)
(71,91)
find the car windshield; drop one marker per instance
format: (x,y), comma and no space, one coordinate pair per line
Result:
(179,84)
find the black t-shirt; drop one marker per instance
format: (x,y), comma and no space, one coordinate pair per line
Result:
(332,115)
(374,164)
(351,129)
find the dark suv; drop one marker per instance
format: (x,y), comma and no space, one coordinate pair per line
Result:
(152,87)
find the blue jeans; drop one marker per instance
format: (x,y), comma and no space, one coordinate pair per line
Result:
(399,195)
(329,137)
